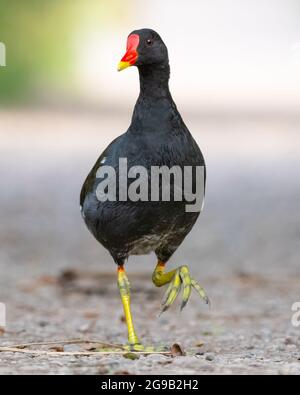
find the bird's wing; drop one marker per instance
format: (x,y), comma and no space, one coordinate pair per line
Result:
(90,179)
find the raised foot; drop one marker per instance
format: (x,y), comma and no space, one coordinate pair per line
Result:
(183,279)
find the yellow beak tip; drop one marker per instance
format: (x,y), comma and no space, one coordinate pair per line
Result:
(123,65)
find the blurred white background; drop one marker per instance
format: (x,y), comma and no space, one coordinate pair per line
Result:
(225,55)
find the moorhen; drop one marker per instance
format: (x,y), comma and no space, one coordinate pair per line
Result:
(157,137)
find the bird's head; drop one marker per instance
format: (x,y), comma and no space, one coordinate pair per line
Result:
(144,47)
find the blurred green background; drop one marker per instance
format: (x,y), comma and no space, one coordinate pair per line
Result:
(39,37)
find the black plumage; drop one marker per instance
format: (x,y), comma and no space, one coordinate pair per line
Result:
(157,136)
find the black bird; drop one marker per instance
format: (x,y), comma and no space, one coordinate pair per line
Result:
(157,137)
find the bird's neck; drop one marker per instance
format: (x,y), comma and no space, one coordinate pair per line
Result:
(155,110)
(154,81)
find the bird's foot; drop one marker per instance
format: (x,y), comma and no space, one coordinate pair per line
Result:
(183,279)
(138,347)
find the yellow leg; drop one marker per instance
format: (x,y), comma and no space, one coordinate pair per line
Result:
(177,278)
(124,288)
(134,344)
